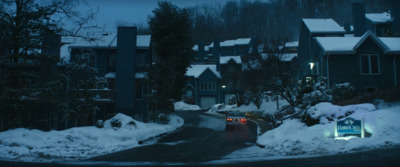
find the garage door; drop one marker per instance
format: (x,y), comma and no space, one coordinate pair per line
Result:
(207,102)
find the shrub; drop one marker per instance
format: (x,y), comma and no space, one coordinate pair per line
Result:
(116,123)
(308,120)
(232,100)
(343,92)
(100,124)
(320,93)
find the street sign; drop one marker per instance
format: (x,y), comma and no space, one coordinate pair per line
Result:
(349,126)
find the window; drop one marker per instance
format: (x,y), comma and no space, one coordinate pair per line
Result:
(112,62)
(369,64)
(208,86)
(139,89)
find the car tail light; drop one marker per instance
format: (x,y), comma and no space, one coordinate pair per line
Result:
(229,119)
(243,120)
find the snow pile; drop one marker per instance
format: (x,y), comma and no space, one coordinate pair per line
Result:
(180,105)
(268,107)
(327,112)
(80,142)
(295,138)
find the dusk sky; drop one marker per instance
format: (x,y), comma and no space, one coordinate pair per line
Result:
(134,11)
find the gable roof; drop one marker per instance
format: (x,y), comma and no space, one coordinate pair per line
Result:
(226,59)
(341,45)
(379,17)
(227,43)
(197,70)
(370,34)
(323,26)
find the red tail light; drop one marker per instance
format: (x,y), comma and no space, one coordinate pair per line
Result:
(229,119)
(243,120)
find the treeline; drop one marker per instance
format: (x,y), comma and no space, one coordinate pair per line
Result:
(270,21)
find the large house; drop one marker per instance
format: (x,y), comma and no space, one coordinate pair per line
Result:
(365,59)
(214,74)
(123,59)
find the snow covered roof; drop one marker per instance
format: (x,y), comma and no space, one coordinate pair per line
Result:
(226,59)
(323,26)
(379,17)
(197,70)
(102,40)
(196,48)
(350,44)
(227,43)
(292,44)
(110,75)
(286,57)
(105,40)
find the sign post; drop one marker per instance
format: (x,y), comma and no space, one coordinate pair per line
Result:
(349,126)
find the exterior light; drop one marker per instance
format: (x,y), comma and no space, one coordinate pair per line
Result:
(223,86)
(311,65)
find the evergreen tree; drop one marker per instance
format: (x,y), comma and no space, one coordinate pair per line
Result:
(31,85)
(170,27)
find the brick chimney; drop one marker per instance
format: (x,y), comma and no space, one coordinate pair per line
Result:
(200,52)
(395,13)
(216,53)
(125,70)
(359,20)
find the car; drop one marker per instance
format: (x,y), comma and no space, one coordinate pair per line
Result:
(235,119)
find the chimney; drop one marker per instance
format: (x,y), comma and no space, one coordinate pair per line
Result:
(125,71)
(254,46)
(359,20)
(395,13)
(201,52)
(216,52)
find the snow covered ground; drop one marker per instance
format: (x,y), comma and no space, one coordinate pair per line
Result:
(80,142)
(181,106)
(294,139)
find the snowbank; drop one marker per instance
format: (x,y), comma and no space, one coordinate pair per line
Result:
(183,106)
(80,142)
(266,107)
(294,139)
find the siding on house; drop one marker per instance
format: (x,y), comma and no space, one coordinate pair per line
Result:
(345,63)
(124,65)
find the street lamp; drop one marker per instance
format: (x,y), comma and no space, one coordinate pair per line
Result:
(223,86)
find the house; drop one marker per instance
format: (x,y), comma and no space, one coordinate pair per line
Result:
(311,28)
(123,59)
(369,62)
(364,59)
(203,85)
(214,76)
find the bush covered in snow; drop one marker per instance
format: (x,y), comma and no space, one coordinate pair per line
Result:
(345,91)
(100,124)
(115,123)
(320,93)
(232,100)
